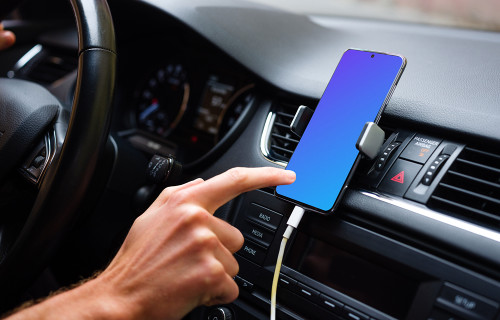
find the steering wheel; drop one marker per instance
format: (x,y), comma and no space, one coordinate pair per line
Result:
(30,116)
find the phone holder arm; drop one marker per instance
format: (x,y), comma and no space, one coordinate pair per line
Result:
(370,140)
(301,120)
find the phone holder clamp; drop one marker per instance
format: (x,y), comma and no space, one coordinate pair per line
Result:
(369,142)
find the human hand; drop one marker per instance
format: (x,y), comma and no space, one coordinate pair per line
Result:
(7,38)
(177,255)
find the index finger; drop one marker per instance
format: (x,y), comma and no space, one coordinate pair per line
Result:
(220,189)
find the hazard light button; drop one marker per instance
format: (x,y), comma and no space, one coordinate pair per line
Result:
(399,177)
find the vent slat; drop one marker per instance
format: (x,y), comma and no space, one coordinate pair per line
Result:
(281,125)
(50,65)
(465,176)
(470,190)
(471,193)
(287,115)
(282,141)
(467,208)
(288,139)
(484,153)
(479,165)
(273,146)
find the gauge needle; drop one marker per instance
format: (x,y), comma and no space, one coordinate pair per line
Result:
(149,110)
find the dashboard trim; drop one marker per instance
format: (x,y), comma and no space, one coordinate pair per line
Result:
(451,221)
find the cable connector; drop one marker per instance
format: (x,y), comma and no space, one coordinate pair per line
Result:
(293,223)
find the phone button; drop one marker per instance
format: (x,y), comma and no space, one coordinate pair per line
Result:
(253,252)
(399,177)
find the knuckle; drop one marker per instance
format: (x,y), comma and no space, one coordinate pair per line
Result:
(238,175)
(166,193)
(194,216)
(203,241)
(214,272)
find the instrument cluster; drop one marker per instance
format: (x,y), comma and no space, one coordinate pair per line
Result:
(188,109)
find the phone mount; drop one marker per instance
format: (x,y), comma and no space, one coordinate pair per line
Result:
(369,142)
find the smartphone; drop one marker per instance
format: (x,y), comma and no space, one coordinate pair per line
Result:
(326,155)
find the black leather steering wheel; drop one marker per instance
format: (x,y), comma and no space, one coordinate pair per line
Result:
(27,113)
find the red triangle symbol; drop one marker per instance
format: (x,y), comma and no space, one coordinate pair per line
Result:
(400,177)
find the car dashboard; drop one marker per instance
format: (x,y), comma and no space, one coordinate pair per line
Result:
(217,83)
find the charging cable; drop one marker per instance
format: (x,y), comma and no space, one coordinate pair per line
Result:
(292,223)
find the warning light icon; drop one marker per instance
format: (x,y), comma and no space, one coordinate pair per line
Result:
(400,177)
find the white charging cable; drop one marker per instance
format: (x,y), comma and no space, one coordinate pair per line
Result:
(292,223)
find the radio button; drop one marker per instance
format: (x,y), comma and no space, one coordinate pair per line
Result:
(264,216)
(466,303)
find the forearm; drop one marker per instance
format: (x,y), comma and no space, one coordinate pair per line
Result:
(91,300)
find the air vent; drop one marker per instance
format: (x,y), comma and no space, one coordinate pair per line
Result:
(471,188)
(278,141)
(47,65)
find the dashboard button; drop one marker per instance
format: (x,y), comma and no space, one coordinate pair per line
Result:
(331,304)
(264,216)
(253,252)
(258,233)
(399,177)
(243,284)
(287,282)
(307,292)
(420,148)
(466,303)
(353,314)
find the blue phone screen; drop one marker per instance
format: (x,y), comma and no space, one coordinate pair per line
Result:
(327,151)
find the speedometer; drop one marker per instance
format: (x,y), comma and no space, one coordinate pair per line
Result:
(162,100)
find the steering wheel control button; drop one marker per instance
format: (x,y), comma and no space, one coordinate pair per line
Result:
(264,216)
(434,169)
(399,177)
(353,314)
(257,233)
(253,252)
(330,304)
(466,304)
(420,148)
(243,284)
(220,313)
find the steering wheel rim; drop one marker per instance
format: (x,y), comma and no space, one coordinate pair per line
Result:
(65,183)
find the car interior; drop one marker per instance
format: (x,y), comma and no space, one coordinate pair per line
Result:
(104,90)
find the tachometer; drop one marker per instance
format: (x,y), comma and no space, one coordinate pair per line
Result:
(162,100)
(238,103)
